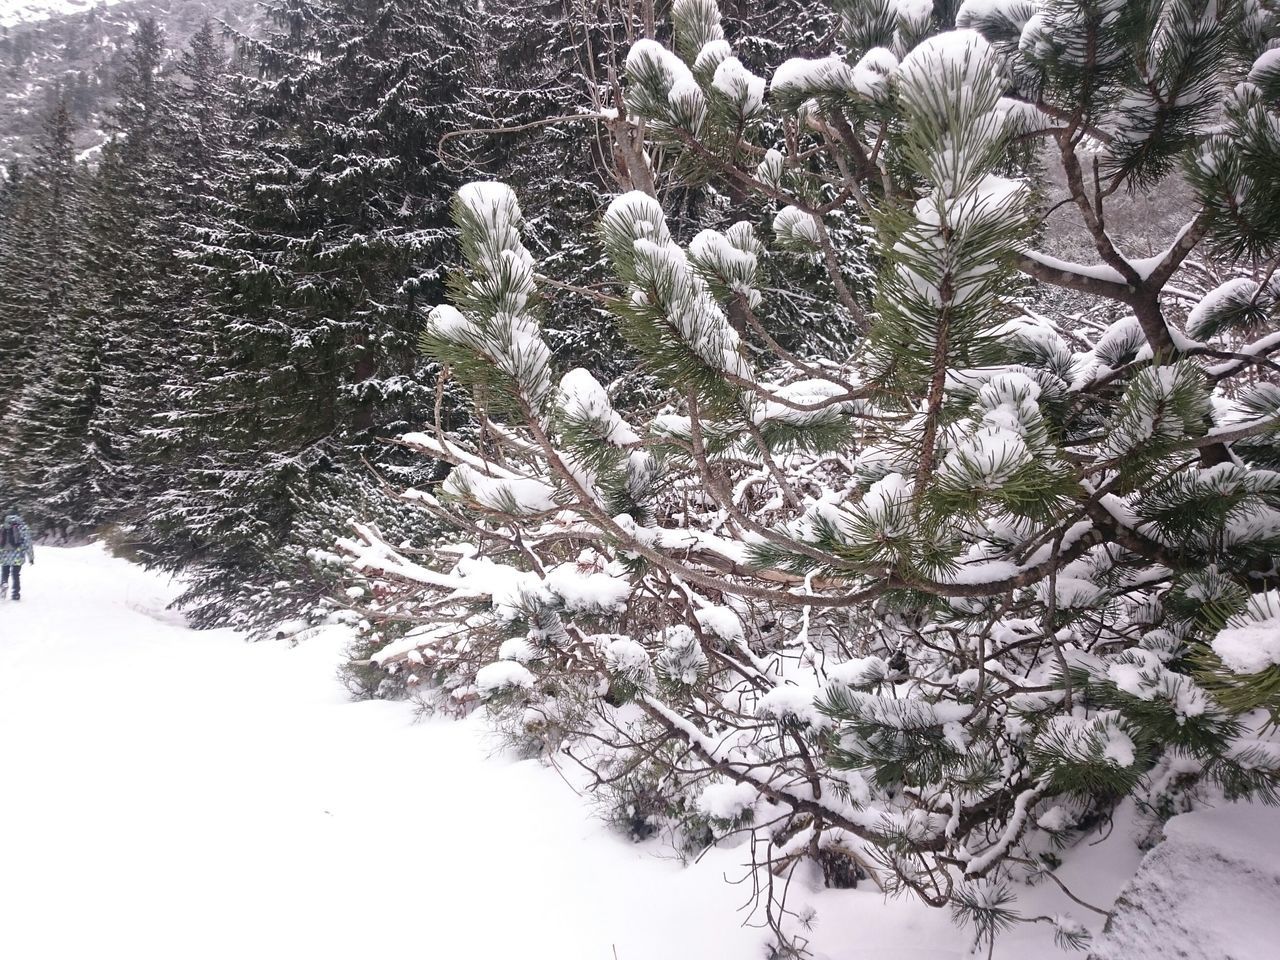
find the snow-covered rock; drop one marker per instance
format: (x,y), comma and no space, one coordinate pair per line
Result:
(1209,891)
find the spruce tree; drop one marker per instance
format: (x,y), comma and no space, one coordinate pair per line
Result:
(18,292)
(328,232)
(48,403)
(176,436)
(128,264)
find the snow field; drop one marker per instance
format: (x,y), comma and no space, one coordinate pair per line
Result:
(166,793)
(1211,890)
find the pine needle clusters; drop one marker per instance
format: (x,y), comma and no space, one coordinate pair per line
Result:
(948,599)
(915,599)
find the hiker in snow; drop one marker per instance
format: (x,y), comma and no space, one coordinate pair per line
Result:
(15,549)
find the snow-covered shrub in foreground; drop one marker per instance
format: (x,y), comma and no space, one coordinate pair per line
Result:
(936,606)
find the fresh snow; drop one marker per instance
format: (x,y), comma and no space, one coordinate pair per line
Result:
(503,675)
(1094,271)
(172,793)
(793,703)
(1208,892)
(712,53)
(586,590)
(14,12)
(583,398)
(727,801)
(721,621)
(793,225)
(1249,649)
(1250,642)
(524,494)
(717,250)
(1235,290)
(832,75)
(962,54)
(804,74)
(770,170)
(740,86)
(859,671)
(628,658)
(1055,819)
(1268,62)
(651,55)
(1119,747)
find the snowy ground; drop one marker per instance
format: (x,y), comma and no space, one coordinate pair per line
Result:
(1212,889)
(172,794)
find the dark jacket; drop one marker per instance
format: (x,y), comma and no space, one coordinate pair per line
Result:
(15,542)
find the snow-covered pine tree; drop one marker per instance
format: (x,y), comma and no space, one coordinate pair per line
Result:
(177,437)
(129,264)
(17,226)
(543,65)
(18,219)
(329,230)
(47,363)
(934,609)
(100,378)
(540,63)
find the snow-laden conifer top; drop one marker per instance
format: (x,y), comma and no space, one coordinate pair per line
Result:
(963,54)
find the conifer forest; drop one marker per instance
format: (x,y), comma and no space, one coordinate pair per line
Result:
(842,432)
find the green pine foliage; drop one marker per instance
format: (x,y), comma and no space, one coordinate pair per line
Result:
(745,429)
(955,593)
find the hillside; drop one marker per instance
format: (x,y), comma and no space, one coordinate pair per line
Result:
(76,46)
(15,12)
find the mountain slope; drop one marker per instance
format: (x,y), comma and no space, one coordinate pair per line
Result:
(75,48)
(13,12)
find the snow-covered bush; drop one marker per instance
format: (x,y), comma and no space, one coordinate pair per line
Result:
(938,605)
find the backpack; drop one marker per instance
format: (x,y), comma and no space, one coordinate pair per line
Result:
(9,535)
